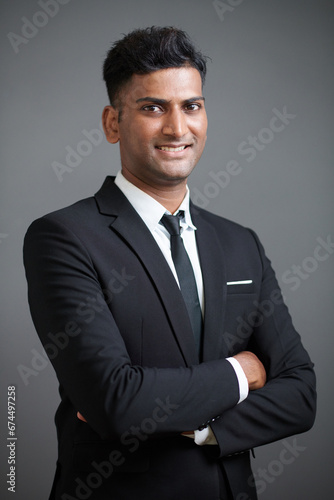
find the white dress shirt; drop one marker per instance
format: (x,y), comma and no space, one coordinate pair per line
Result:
(151,212)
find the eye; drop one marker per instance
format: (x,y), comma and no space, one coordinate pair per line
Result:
(193,106)
(152,108)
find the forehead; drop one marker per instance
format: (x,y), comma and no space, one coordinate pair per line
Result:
(170,84)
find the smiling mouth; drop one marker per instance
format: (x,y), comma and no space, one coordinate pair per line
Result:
(171,149)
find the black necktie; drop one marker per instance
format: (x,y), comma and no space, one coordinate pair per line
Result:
(185,274)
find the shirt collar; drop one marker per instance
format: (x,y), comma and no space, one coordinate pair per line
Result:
(186,222)
(149,209)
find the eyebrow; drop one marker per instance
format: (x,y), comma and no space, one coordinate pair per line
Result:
(156,100)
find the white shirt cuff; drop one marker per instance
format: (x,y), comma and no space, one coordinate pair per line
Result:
(242,379)
(205,436)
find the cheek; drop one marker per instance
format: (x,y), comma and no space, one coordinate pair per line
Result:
(200,130)
(143,132)
(135,145)
(202,137)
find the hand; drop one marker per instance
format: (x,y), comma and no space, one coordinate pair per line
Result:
(253,369)
(80,417)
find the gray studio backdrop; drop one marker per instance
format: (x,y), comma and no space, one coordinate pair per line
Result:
(270,59)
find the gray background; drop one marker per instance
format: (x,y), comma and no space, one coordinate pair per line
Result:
(265,55)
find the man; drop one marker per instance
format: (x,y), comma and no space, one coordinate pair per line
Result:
(174,352)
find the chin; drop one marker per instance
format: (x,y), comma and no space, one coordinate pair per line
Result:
(177,173)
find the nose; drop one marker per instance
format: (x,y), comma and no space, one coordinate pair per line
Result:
(175,123)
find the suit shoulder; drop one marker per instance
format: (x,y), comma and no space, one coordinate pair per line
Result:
(220,222)
(230,233)
(73,215)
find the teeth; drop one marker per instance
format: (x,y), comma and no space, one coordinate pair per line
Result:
(164,148)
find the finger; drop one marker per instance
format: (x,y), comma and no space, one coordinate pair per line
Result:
(80,417)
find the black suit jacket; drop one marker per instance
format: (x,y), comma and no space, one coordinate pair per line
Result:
(112,320)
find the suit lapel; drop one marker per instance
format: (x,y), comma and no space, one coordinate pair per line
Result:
(214,280)
(129,225)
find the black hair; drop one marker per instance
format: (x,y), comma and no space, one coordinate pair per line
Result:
(146,50)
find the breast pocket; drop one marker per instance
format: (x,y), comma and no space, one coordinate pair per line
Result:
(240,287)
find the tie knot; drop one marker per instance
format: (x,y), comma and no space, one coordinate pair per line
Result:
(172,222)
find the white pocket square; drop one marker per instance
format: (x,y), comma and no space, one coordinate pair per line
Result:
(243,282)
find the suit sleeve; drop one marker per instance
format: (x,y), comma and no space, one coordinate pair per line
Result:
(90,357)
(286,404)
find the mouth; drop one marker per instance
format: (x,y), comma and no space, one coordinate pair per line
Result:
(173,149)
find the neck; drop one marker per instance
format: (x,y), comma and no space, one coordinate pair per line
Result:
(169,196)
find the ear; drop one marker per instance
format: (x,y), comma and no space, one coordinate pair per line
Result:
(110,124)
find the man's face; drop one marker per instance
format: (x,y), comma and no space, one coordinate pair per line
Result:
(162,131)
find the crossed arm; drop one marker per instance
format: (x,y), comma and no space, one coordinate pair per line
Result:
(98,379)
(252,367)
